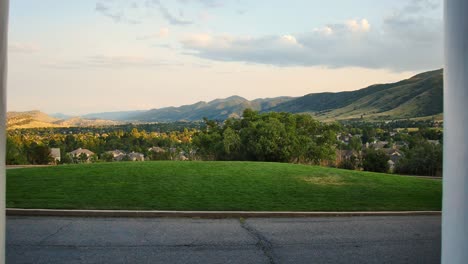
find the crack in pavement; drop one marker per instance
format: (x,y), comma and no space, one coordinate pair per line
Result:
(55,233)
(262,242)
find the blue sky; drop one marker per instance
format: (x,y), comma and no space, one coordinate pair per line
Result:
(87,56)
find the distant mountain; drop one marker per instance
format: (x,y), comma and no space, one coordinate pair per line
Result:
(219,109)
(418,96)
(37,119)
(29,119)
(60,116)
(82,122)
(118,116)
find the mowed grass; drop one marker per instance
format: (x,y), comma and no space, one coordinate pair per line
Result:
(217,186)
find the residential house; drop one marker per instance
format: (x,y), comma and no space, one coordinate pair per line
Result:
(55,154)
(401,144)
(394,156)
(79,153)
(391,165)
(342,155)
(182,156)
(379,145)
(117,155)
(345,138)
(135,156)
(157,150)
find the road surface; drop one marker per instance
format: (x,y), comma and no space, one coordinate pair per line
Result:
(395,239)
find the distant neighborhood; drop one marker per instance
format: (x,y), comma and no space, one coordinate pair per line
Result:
(403,147)
(82,155)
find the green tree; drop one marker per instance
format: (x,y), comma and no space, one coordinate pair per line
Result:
(375,160)
(231,142)
(38,154)
(107,157)
(423,159)
(368,135)
(83,158)
(14,152)
(355,144)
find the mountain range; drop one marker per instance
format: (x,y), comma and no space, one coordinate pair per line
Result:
(35,119)
(417,97)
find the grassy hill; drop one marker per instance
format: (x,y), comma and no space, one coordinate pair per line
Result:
(217,186)
(419,96)
(36,119)
(30,119)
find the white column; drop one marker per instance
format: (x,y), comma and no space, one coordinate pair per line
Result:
(455,189)
(3,76)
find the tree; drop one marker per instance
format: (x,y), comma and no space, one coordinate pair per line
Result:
(107,157)
(14,152)
(209,144)
(231,142)
(66,159)
(423,159)
(368,135)
(349,164)
(355,144)
(38,154)
(70,143)
(83,157)
(279,137)
(375,160)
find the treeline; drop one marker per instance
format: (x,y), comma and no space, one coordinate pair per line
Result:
(33,146)
(393,124)
(278,137)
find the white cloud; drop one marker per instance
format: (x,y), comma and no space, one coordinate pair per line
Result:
(163,33)
(22,47)
(289,40)
(327,30)
(406,41)
(358,25)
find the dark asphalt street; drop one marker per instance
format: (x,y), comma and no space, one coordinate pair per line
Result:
(391,239)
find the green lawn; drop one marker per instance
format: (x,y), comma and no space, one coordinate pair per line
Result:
(217,186)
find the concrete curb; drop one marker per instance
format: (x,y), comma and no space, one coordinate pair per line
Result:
(202,214)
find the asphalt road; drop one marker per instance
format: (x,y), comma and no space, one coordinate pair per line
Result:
(396,239)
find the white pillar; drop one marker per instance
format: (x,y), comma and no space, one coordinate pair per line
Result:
(3,76)
(455,182)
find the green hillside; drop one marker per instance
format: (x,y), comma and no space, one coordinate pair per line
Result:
(421,95)
(219,109)
(252,186)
